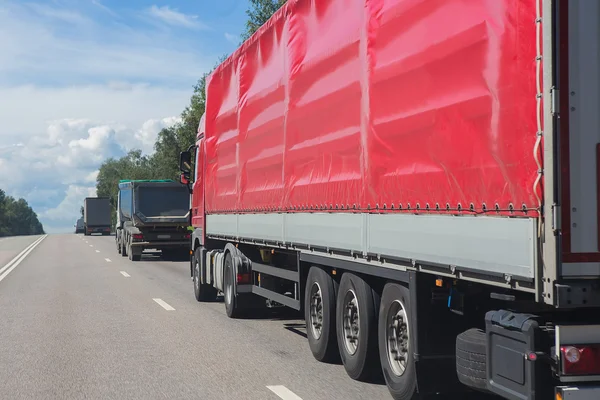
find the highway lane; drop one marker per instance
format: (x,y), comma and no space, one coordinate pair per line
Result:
(80,321)
(10,247)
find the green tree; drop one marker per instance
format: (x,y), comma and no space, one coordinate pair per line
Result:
(17,217)
(258,13)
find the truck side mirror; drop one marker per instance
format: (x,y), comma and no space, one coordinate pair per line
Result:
(185,162)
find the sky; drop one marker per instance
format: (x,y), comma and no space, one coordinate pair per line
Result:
(84,80)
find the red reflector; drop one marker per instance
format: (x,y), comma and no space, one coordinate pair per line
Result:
(137,236)
(243,278)
(580,360)
(188,236)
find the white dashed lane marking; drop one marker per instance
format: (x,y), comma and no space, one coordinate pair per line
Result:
(283,392)
(164,305)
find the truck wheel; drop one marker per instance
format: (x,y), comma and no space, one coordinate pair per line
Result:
(132,256)
(123,249)
(319,314)
(471,359)
(202,291)
(356,320)
(231,305)
(396,343)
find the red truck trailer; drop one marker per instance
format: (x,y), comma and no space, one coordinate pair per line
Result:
(421,178)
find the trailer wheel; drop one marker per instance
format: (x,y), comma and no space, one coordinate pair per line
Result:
(132,256)
(319,313)
(356,320)
(202,291)
(123,248)
(231,305)
(396,342)
(471,359)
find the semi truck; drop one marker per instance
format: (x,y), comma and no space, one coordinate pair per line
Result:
(153,214)
(422,180)
(96,215)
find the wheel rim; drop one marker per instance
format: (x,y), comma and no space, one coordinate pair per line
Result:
(316,310)
(398,338)
(197,275)
(351,321)
(228,287)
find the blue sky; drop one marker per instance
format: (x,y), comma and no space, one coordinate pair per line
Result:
(83,80)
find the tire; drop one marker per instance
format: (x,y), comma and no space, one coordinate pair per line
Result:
(133,257)
(229,296)
(322,288)
(471,359)
(202,291)
(362,363)
(123,249)
(402,384)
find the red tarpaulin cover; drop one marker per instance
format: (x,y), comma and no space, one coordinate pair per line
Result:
(377,103)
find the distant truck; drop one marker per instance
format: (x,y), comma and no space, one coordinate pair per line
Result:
(96,215)
(152,214)
(79,226)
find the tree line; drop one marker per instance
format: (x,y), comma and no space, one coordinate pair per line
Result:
(163,163)
(17,218)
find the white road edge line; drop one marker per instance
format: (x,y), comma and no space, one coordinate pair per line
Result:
(126,275)
(7,269)
(283,392)
(107,259)
(19,255)
(164,305)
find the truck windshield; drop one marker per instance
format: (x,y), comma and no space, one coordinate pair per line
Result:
(163,202)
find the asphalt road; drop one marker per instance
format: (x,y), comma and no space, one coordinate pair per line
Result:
(78,321)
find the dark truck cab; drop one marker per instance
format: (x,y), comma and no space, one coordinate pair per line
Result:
(152,214)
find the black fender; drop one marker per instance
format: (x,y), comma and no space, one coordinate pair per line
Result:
(241,263)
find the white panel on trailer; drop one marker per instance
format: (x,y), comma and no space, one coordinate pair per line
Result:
(495,245)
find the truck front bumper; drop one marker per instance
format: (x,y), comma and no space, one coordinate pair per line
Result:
(577,393)
(160,245)
(98,229)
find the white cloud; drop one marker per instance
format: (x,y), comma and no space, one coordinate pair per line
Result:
(60,14)
(63,216)
(232,38)
(104,8)
(76,89)
(174,17)
(56,170)
(26,110)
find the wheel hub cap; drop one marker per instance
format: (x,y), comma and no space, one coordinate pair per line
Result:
(197,275)
(351,319)
(397,338)
(316,311)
